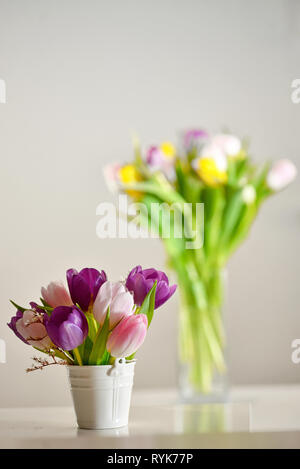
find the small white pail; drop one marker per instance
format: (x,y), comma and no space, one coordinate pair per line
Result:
(102,394)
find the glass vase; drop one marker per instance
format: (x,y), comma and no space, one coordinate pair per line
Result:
(202,373)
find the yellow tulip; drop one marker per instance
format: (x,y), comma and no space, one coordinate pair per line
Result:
(168,150)
(209,172)
(129,175)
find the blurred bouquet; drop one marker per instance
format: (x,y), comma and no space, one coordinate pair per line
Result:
(96,321)
(215,171)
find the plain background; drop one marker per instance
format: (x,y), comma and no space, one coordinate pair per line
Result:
(80,76)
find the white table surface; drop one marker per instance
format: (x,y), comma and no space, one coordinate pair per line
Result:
(262,416)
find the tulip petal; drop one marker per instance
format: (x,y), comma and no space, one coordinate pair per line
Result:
(93,278)
(164,293)
(119,301)
(56,295)
(99,282)
(22,330)
(140,289)
(282,173)
(13,325)
(36,331)
(102,302)
(141,281)
(79,290)
(155,275)
(85,285)
(67,326)
(127,336)
(71,336)
(122,305)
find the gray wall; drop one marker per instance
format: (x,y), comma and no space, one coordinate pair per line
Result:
(80,76)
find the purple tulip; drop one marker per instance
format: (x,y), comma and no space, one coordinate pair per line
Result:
(67,327)
(155,157)
(157,160)
(29,326)
(84,286)
(192,136)
(13,327)
(140,282)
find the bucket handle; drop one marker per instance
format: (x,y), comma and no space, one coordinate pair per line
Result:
(118,367)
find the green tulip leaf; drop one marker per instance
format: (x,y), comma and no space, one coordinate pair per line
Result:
(105,358)
(45,304)
(85,350)
(149,304)
(20,308)
(99,347)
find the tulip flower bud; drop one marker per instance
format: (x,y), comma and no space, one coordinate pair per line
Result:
(127,336)
(111,176)
(193,136)
(230,144)
(281,175)
(141,281)
(214,152)
(168,150)
(84,286)
(117,298)
(56,295)
(30,328)
(67,327)
(155,158)
(211,165)
(162,159)
(129,174)
(12,325)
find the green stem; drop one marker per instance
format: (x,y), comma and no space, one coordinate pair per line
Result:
(77,356)
(201,331)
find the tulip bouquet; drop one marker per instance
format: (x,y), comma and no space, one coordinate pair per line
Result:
(216,171)
(96,321)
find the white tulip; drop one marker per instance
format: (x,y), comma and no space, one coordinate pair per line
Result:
(230,144)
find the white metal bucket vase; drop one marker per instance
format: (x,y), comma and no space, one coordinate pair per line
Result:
(102,394)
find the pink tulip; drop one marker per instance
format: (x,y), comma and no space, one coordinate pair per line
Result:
(281,174)
(127,336)
(31,327)
(56,295)
(111,176)
(117,298)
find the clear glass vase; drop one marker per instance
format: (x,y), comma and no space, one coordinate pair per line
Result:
(202,372)
(189,392)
